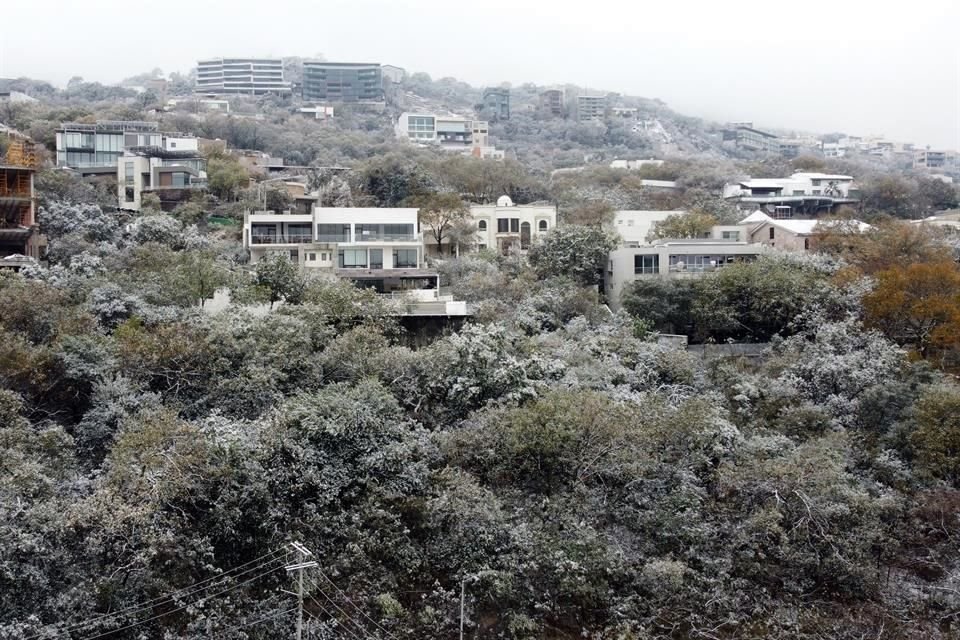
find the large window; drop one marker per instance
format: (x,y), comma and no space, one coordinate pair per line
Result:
(421,127)
(389,232)
(542,225)
(128,172)
(352,258)
(503,225)
(333,233)
(404,258)
(731,235)
(514,225)
(376,258)
(646,264)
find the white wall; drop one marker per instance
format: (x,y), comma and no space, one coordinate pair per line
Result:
(633,225)
(178,143)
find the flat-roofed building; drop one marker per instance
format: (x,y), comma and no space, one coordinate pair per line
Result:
(377,247)
(342,82)
(672,259)
(95,148)
(241,76)
(496,100)
(551,102)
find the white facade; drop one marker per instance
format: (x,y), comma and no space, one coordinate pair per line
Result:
(634,225)
(199,104)
(802,183)
(450,133)
(319,112)
(635,164)
(338,237)
(502,227)
(671,259)
(249,76)
(801,193)
(174,142)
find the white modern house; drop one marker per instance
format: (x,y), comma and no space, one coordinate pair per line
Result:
(450,133)
(380,248)
(801,194)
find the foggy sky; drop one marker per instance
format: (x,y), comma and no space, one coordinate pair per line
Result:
(855,66)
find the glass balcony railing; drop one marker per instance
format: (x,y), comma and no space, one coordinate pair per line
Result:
(292,238)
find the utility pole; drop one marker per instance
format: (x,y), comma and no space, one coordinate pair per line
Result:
(463,601)
(299,567)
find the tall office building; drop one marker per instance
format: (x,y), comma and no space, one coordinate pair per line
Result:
(250,76)
(342,82)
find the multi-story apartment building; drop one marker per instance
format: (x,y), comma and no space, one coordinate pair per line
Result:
(342,82)
(95,148)
(801,194)
(379,248)
(18,226)
(241,76)
(172,173)
(551,102)
(591,108)
(497,101)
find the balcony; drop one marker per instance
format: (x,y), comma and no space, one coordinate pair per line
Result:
(292,238)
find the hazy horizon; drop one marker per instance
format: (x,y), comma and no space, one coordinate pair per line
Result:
(822,67)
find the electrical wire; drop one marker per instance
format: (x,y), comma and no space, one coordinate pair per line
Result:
(347,598)
(337,620)
(182,607)
(361,627)
(250,624)
(179,593)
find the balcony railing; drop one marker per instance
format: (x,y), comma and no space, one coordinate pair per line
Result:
(294,238)
(386,237)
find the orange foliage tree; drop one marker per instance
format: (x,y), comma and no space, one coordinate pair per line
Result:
(918,305)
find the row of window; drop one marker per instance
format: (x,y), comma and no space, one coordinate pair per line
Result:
(366,232)
(512,225)
(373,259)
(80,159)
(650,264)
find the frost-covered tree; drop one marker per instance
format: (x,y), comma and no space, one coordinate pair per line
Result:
(575,251)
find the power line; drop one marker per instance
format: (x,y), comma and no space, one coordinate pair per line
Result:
(250,624)
(337,620)
(182,607)
(347,598)
(181,593)
(363,629)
